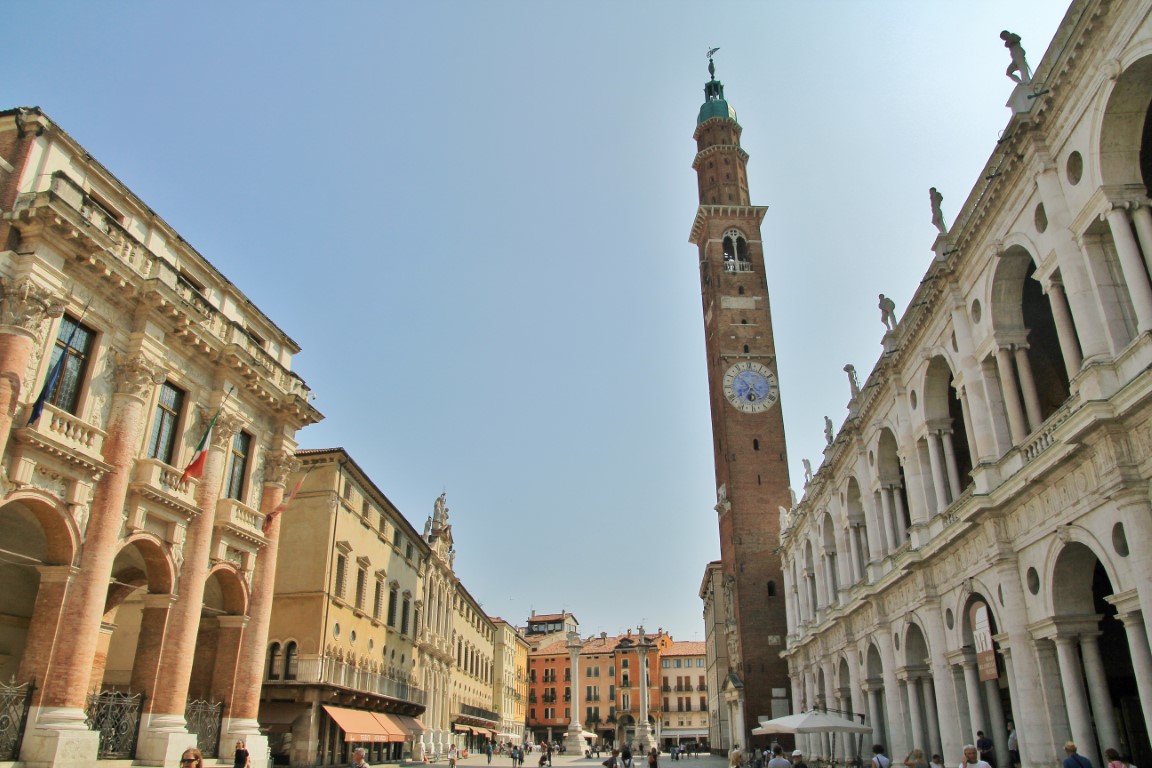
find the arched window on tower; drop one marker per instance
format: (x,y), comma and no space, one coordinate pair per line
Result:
(274,657)
(291,651)
(736,257)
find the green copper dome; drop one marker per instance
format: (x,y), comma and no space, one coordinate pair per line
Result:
(714,104)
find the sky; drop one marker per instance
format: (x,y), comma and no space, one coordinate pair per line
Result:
(473,217)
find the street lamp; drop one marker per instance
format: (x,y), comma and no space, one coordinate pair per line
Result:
(644,739)
(574,741)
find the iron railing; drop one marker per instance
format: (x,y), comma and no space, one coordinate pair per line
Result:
(205,719)
(334,672)
(14,703)
(116,716)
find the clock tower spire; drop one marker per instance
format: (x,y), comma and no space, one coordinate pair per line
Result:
(747,424)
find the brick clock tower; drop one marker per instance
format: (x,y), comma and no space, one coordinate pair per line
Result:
(747,423)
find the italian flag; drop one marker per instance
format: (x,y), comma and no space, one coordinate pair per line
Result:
(281,507)
(195,467)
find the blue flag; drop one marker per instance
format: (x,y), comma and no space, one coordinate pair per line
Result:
(53,377)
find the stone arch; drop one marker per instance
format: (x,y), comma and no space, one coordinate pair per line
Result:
(1094,648)
(1022,315)
(1072,553)
(893,485)
(830,557)
(1122,127)
(218,636)
(39,537)
(946,447)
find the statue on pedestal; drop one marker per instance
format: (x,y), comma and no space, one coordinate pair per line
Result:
(828,435)
(853,382)
(887,313)
(807,471)
(935,198)
(1019,62)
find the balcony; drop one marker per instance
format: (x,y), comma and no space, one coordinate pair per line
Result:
(161,483)
(66,437)
(238,519)
(731,265)
(343,675)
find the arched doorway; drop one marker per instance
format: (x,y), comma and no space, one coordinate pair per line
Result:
(985,677)
(38,544)
(923,717)
(1099,685)
(945,445)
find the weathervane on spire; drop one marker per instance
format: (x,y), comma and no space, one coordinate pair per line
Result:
(711,65)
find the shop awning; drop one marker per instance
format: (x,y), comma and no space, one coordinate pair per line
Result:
(461,728)
(392,726)
(360,726)
(412,724)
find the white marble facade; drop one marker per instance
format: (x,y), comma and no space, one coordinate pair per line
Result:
(1000,453)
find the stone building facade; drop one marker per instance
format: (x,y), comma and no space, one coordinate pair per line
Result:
(684,688)
(972,550)
(342,667)
(120,575)
(723,689)
(510,681)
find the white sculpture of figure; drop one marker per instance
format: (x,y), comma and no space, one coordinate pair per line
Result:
(807,471)
(853,383)
(828,436)
(792,496)
(887,313)
(935,198)
(1019,62)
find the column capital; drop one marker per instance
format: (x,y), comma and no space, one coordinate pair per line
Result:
(57,573)
(161,600)
(136,374)
(278,465)
(227,426)
(25,305)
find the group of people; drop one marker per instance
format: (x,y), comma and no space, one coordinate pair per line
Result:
(982,755)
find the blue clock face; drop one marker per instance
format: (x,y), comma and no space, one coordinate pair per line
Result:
(750,387)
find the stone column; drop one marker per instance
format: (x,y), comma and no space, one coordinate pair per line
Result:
(997,724)
(876,715)
(975,705)
(1098,692)
(1016,423)
(644,738)
(229,633)
(1141,661)
(1079,718)
(890,544)
(100,660)
(23,308)
(949,738)
(854,545)
(974,447)
(61,737)
(46,616)
(574,742)
(1132,265)
(241,722)
(898,509)
(916,720)
(893,706)
(165,735)
(932,717)
(950,463)
(1065,329)
(153,619)
(1028,387)
(939,482)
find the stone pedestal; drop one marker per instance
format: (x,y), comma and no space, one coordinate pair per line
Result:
(574,740)
(60,740)
(163,738)
(232,731)
(1022,98)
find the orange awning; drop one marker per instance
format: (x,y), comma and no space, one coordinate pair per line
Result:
(360,726)
(412,724)
(389,723)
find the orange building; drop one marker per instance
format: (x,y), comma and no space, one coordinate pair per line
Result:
(607,694)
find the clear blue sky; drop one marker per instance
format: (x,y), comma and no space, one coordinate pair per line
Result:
(473,217)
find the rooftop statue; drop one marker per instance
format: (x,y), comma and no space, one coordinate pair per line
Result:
(1019,63)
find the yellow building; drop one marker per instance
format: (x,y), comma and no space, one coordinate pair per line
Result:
(132,595)
(684,688)
(342,666)
(510,682)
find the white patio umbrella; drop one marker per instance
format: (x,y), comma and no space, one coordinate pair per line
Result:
(814,721)
(809,722)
